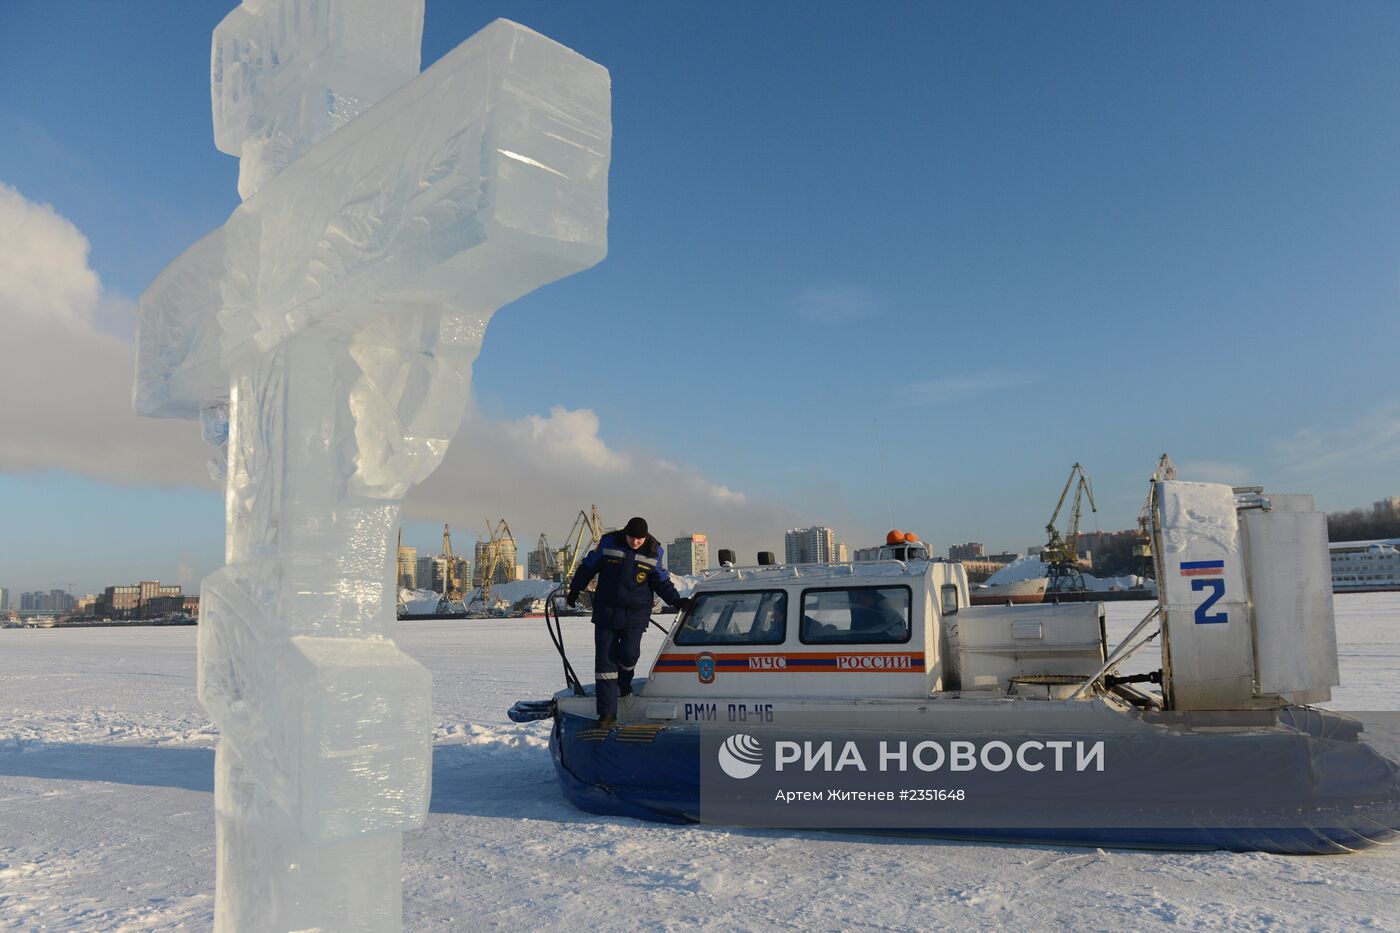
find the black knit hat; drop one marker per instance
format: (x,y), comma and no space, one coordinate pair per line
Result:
(636,527)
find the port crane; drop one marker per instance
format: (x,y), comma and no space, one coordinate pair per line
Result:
(1061,554)
(1142,546)
(496,536)
(586,532)
(548,559)
(451,584)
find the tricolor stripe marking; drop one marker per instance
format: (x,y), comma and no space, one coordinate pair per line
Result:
(1202,568)
(841,662)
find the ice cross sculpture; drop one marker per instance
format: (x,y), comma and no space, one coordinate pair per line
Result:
(325,335)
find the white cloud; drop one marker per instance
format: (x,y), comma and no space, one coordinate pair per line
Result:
(566,435)
(958,387)
(44,275)
(65,375)
(837,303)
(538,472)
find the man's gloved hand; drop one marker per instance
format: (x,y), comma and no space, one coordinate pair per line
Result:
(685,603)
(571,600)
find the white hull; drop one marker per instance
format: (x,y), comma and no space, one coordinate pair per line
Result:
(1021,591)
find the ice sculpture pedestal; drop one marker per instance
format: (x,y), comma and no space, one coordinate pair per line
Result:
(325,336)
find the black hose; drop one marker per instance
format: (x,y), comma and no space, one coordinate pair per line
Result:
(556,635)
(1153,677)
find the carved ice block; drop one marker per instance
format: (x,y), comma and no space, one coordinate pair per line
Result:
(480,181)
(270,881)
(368,704)
(284,75)
(363,703)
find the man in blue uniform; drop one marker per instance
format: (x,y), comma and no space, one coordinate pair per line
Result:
(629,568)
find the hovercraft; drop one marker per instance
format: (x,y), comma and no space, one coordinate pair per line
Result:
(872,696)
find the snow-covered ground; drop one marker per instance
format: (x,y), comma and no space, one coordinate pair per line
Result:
(106,770)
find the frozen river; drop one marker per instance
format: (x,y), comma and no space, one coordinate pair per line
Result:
(106,820)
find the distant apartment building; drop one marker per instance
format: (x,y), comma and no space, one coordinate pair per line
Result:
(165,604)
(430,573)
(815,545)
(423,573)
(688,555)
(1096,547)
(1390,505)
(972,550)
(841,554)
(4,600)
(143,600)
(52,601)
(503,555)
(120,601)
(408,568)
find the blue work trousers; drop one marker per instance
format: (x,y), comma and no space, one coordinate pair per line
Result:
(615,653)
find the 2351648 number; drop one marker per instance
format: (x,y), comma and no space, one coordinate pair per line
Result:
(929,794)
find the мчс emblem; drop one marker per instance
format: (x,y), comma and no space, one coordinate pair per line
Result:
(705,667)
(641,576)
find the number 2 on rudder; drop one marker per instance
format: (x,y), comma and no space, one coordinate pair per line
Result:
(1203,614)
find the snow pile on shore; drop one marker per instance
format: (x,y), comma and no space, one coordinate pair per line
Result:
(1022,568)
(1031,567)
(419,602)
(516,590)
(425,602)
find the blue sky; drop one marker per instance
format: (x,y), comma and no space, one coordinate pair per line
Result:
(907,260)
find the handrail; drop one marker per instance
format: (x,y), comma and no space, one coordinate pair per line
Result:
(1114,658)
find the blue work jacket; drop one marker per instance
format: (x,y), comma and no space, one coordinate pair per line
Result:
(627,581)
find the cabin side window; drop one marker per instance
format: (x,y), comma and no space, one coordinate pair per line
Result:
(949,593)
(856,615)
(756,618)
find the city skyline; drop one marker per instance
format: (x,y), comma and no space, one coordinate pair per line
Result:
(422,557)
(1046,248)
